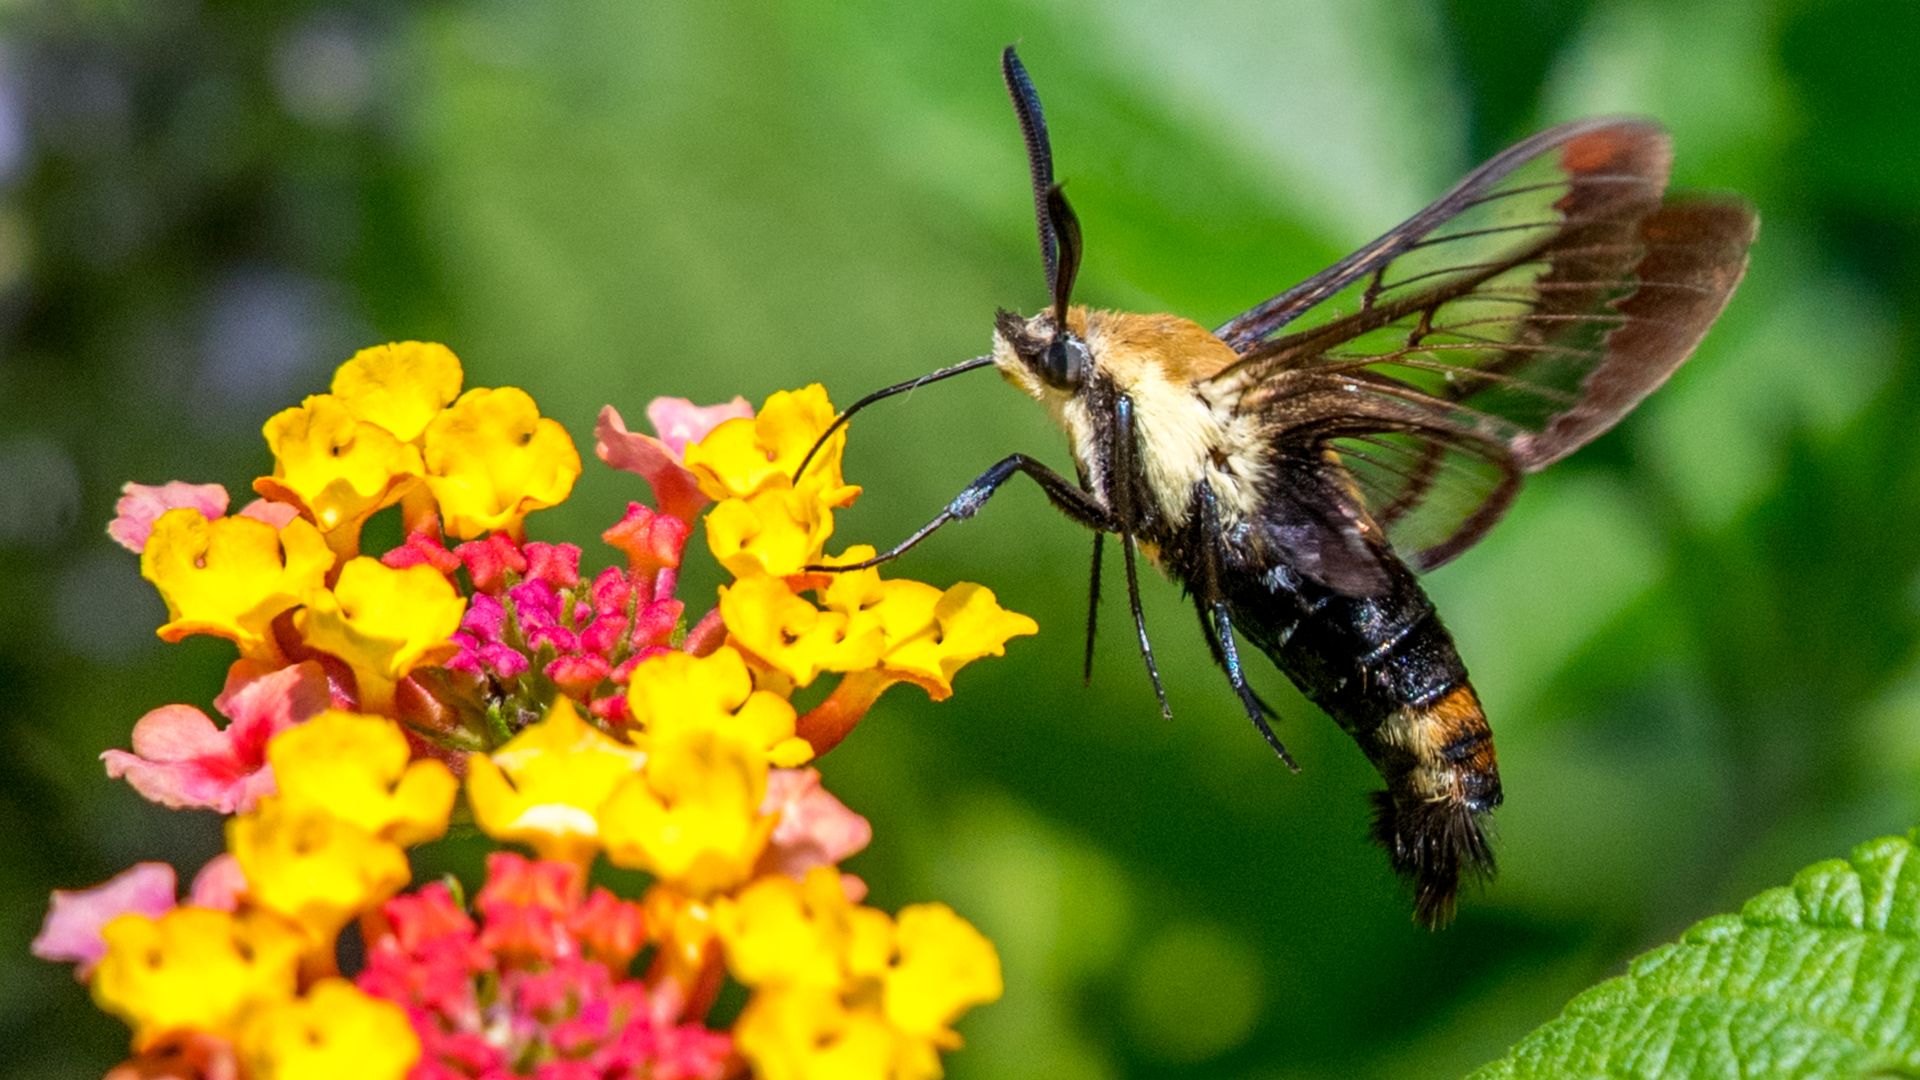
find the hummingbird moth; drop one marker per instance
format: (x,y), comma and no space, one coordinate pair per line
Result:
(1293,467)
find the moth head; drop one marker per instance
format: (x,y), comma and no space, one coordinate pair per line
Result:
(1048,351)
(1041,357)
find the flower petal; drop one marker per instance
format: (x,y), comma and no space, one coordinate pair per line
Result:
(945,967)
(180,759)
(773,533)
(219,885)
(741,457)
(790,635)
(400,386)
(75,917)
(492,459)
(679,421)
(693,818)
(141,505)
(317,870)
(383,623)
(966,624)
(231,577)
(338,468)
(676,696)
(195,969)
(675,491)
(545,785)
(650,540)
(335,1030)
(815,828)
(357,768)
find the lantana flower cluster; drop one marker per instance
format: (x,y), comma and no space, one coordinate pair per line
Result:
(469,674)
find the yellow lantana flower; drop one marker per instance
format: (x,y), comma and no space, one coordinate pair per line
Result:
(692,819)
(356,767)
(781,932)
(966,624)
(928,634)
(337,468)
(334,1031)
(790,635)
(774,532)
(383,623)
(841,987)
(231,576)
(194,969)
(745,456)
(806,1033)
(944,968)
(316,869)
(400,386)
(492,459)
(545,786)
(674,695)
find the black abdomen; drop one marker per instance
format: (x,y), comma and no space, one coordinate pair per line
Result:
(1386,670)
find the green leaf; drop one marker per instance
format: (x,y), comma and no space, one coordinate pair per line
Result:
(1816,979)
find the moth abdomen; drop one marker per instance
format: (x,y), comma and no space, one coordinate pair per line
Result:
(1385,668)
(1431,845)
(1430,817)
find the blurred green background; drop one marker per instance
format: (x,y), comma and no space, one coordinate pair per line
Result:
(1696,640)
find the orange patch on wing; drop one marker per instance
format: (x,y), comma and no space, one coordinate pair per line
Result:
(1593,151)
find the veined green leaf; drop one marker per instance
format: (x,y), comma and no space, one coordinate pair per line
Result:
(1815,979)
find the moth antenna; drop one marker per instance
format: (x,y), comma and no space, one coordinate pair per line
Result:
(897,388)
(1033,126)
(1066,231)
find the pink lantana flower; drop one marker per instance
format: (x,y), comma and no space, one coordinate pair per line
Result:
(652,541)
(815,828)
(141,505)
(220,884)
(680,421)
(71,932)
(181,759)
(276,514)
(541,976)
(532,612)
(657,460)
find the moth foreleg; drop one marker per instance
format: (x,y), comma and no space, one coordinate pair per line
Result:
(1062,492)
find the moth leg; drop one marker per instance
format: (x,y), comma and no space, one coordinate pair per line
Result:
(1216,621)
(1140,624)
(1201,607)
(1125,521)
(1093,607)
(1257,710)
(1063,493)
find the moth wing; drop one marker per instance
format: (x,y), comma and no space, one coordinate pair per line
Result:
(1493,333)
(1378,470)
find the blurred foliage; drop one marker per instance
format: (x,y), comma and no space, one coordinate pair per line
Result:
(1696,639)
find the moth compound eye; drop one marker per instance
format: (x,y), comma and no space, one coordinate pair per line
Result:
(1064,362)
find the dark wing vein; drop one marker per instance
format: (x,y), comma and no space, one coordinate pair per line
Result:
(1516,318)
